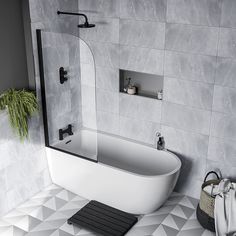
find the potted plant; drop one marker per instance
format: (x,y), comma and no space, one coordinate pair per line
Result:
(20,106)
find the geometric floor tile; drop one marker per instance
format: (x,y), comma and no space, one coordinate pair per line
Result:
(47,212)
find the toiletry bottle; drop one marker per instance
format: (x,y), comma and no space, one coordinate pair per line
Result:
(160,95)
(128,85)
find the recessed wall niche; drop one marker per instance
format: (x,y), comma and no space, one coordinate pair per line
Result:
(147,85)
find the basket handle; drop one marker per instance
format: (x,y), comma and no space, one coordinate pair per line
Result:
(211,172)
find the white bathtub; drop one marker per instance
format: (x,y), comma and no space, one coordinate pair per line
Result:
(129,176)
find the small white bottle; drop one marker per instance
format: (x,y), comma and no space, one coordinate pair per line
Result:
(160,95)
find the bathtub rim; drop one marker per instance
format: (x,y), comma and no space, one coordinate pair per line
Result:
(126,171)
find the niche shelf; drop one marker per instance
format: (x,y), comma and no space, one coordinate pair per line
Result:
(147,84)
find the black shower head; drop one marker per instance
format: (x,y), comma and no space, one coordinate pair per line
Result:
(86,25)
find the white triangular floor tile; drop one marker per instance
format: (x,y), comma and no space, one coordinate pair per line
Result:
(186,202)
(160,231)
(46,214)
(60,233)
(70,229)
(178,211)
(169,221)
(66,195)
(14,231)
(42,213)
(191,224)
(27,223)
(150,220)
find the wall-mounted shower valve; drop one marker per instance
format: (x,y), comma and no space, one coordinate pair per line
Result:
(63,75)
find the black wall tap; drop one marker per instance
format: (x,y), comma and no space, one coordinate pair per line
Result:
(68,131)
(63,75)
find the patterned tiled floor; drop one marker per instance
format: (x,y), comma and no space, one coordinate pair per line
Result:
(46,214)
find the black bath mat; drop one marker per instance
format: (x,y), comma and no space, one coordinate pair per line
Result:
(103,219)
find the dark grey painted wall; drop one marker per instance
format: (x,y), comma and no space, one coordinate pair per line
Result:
(13,63)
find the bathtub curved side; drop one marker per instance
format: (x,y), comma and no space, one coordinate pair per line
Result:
(124,190)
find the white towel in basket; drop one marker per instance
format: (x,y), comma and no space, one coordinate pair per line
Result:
(225,209)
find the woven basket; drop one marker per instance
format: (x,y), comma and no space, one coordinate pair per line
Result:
(205,210)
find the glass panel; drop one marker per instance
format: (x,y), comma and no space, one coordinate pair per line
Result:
(70,94)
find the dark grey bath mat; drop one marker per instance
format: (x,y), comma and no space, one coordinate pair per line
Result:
(103,219)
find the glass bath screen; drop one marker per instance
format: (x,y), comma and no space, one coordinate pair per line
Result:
(70,94)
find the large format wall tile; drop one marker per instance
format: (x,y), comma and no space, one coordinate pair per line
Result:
(142,59)
(107,101)
(222,150)
(228,17)
(107,78)
(142,33)
(225,72)
(140,108)
(185,143)
(88,76)
(105,54)
(108,122)
(227,45)
(105,8)
(227,170)
(194,39)
(143,9)
(188,119)
(143,131)
(223,125)
(224,100)
(200,12)
(106,30)
(47,10)
(192,94)
(190,67)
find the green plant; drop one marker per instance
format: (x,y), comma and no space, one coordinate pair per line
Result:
(20,105)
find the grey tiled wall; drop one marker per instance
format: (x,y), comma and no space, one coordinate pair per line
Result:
(23,165)
(192,43)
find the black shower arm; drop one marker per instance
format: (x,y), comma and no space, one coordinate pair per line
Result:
(73,14)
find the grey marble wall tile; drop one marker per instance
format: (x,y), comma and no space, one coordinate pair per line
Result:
(191,177)
(47,10)
(106,30)
(201,12)
(188,119)
(224,100)
(193,94)
(54,58)
(194,39)
(222,150)
(142,33)
(89,117)
(143,10)
(59,104)
(88,94)
(190,67)
(108,122)
(140,108)
(106,8)
(223,125)
(227,43)
(105,54)
(225,72)
(88,76)
(107,78)
(143,131)
(86,55)
(107,101)
(228,18)
(227,171)
(185,143)
(142,59)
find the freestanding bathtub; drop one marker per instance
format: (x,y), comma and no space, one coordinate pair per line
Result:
(129,176)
